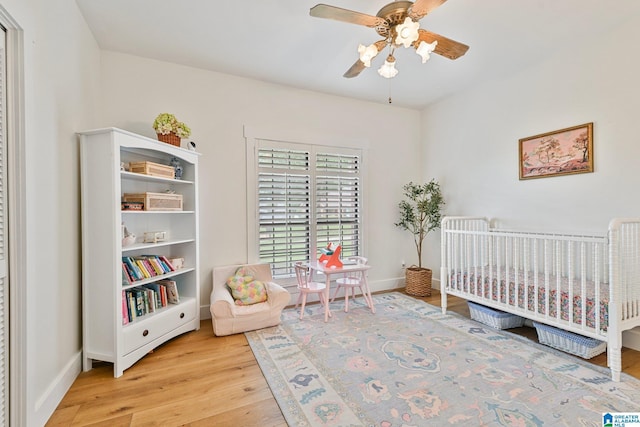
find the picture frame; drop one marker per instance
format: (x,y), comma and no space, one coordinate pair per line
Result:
(561,152)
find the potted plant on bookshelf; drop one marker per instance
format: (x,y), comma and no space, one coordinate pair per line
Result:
(420,213)
(169,129)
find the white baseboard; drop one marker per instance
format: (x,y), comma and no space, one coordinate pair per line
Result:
(205,312)
(376,286)
(51,398)
(398,283)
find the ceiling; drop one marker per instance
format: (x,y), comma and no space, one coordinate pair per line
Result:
(277,41)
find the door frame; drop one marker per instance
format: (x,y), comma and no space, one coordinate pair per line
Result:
(16,212)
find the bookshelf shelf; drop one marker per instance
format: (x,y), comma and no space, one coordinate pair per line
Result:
(138,283)
(149,317)
(139,246)
(124,212)
(148,178)
(111,333)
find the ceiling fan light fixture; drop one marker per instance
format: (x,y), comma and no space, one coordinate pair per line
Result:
(388,69)
(407,32)
(424,49)
(367,53)
(398,24)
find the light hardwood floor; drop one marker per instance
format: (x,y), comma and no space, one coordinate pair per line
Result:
(199,379)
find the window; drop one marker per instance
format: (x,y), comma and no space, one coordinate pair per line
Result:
(338,201)
(307,196)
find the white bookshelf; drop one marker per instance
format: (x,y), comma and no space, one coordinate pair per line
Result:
(105,336)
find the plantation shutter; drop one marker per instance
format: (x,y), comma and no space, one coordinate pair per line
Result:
(284,196)
(338,201)
(307,196)
(4,284)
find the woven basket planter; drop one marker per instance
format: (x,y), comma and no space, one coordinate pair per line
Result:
(418,281)
(170,138)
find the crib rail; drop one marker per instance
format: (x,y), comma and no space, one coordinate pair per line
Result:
(555,278)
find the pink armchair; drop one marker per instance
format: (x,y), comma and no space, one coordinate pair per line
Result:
(229,318)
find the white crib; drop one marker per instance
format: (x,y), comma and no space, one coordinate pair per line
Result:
(589,285)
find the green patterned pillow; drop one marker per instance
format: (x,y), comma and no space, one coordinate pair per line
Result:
(244,289)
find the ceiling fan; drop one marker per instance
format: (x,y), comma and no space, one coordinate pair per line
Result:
(397,23)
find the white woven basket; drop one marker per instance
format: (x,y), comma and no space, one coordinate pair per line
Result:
(568,341)
(495,318)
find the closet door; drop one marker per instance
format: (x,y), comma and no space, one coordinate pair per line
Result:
(4,273)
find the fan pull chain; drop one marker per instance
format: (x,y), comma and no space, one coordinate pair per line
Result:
(389,81)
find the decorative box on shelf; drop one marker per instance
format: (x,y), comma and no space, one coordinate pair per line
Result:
(156,201)
(177,263)
(132,206)
(495,318)
(570,342)
(152,169)
(155,236)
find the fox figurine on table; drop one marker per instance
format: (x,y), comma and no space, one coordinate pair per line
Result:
(331,256)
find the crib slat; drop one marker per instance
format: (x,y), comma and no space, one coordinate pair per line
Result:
(598,260)
(583,283)
(557,256)
(517,272)
(507,268)
(547,290)
(536,277)
(569,263)
(492,262)
(526,267)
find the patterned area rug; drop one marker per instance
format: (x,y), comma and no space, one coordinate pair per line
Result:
(410,365)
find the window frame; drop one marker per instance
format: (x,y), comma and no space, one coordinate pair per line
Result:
(254,141)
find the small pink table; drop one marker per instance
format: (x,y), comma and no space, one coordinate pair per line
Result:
(331,271)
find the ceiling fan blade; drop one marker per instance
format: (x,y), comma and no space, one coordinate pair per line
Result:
(345,15)
(423,7)
(359,66)
(446,47)
(355,69)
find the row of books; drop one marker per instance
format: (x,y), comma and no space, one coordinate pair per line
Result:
(143,300)
(143,267)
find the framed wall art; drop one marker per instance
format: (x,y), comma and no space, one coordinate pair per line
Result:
(561,152)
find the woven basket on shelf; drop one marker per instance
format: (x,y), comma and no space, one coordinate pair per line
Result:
(418,281)
(170,138)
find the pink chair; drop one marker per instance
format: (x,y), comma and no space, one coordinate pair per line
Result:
(228,318)
(351,281)
(307,286)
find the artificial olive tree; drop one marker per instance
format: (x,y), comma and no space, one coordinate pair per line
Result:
(421,211)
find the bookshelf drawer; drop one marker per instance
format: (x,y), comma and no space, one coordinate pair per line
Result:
(146,330)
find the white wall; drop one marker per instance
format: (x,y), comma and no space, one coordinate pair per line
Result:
(471,140)
(217,107)
(63,95)
(61,67)
(64,68)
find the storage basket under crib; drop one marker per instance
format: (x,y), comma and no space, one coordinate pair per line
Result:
(495,318)
(568,341)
